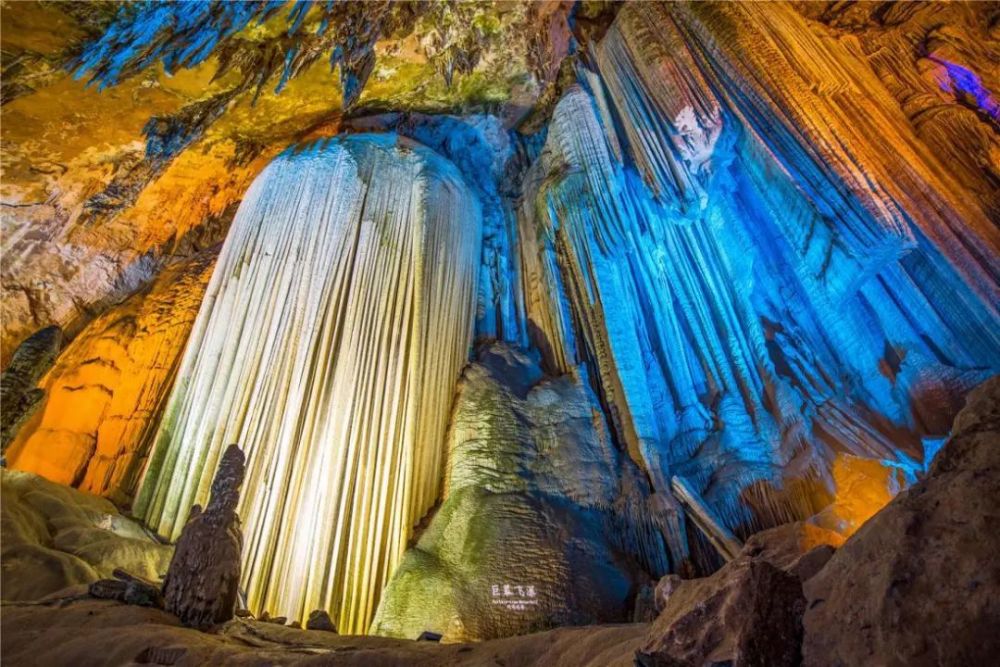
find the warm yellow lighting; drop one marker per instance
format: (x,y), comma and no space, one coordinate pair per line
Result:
(334,328)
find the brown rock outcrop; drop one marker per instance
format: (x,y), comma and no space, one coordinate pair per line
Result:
(917,584)
(202,582)
(748,613)
(798,548)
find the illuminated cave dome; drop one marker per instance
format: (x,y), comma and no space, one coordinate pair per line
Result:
(523,315)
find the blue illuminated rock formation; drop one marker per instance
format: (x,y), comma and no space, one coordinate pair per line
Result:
(753,298)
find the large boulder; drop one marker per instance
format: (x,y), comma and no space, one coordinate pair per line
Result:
(918,584)
(749,612)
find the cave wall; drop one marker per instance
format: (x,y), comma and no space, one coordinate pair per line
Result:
(104,397)
(752,255)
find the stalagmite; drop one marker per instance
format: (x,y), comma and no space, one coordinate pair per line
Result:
(202,582)
(334,327)
(543,522)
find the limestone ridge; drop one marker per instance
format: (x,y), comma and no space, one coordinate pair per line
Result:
(203,579)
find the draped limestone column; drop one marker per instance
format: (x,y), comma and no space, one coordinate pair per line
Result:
(332,333)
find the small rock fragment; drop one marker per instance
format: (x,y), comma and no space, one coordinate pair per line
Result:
(319,619)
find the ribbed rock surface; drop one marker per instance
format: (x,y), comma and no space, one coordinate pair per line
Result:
(336,323)
(938,61)
(541,523)
(767,272)
(201,98)
(105,395)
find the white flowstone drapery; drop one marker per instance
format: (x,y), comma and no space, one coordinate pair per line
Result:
(334,328)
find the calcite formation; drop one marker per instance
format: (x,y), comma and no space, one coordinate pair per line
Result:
(709,267)
(103,399)
(337,320)
(750,306)
(202,583)
(542,519)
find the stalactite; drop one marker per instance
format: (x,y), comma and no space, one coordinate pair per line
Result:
(756,297)
(335,325)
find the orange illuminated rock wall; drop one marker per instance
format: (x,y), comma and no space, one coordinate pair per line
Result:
(105,393)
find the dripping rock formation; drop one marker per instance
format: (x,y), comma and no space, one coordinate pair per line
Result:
(700,621)
(202,582)
(336,322)
(523,314)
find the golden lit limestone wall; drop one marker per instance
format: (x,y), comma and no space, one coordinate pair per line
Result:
(938,60)
(329,342)
(104,396)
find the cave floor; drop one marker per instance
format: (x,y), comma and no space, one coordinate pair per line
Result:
(72,629)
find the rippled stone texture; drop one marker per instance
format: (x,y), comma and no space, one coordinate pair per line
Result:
(542,519)
(784,282)
(105,395)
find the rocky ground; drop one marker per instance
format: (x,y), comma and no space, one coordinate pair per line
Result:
(917,585)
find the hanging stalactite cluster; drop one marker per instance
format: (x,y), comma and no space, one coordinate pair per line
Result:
(328,345)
